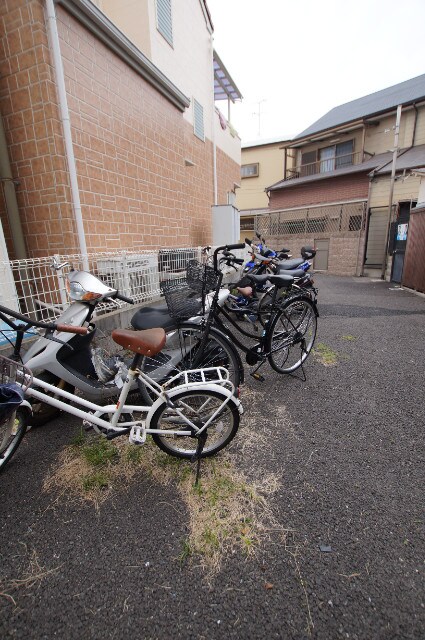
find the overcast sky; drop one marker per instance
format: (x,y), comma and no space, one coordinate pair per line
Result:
(295,60)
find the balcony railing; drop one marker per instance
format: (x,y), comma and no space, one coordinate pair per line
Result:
(325,165)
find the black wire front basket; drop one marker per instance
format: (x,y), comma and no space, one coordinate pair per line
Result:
(187,298)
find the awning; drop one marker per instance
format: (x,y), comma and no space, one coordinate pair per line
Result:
(224,87)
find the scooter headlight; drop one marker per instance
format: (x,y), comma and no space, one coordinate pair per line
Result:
(76,291)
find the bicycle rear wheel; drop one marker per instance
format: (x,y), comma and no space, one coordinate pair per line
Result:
(198,405)
(292,334)
(12,430)
(182,352)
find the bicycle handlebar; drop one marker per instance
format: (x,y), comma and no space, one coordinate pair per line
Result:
(227,247)
(49,326)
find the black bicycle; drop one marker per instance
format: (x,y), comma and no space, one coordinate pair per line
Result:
(213,335)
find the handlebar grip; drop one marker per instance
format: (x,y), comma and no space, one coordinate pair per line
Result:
(68,328)
(240,245)
(124,298)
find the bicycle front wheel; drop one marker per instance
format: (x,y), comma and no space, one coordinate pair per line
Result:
(12,430)
(198,406)
(291,335)
(183,351)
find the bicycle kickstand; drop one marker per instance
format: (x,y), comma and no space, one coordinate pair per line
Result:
(197,457)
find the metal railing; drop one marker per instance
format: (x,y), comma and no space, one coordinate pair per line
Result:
(33,287)
(325,165)
(347,218)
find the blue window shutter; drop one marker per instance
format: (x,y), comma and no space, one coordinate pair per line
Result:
(198,120)
(163,19)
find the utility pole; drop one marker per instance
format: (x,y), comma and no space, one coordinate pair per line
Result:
(392,181)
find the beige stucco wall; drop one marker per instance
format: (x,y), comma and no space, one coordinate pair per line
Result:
(251,195)
(380,139)
(132,18)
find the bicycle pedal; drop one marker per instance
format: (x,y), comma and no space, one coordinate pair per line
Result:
(137,434)
(258,376)
(87,425)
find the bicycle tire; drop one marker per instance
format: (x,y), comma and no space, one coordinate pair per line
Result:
(220,433)
(181,352)
(291,334)
(9,444)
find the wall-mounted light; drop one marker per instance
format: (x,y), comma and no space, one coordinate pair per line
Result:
(189,163)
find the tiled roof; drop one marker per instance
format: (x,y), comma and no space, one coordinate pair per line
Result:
(404,93)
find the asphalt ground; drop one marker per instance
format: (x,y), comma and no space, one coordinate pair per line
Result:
(349,446)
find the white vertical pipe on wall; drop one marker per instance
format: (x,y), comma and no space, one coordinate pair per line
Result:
(214,118)
(52,29)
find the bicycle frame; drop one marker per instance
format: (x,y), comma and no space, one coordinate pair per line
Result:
(116,410)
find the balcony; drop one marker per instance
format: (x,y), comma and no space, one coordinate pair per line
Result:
(325,165)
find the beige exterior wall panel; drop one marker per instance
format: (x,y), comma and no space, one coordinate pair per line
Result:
(403,190)
(252,193)
(132,18)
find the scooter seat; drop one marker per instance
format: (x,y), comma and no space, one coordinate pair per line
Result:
(291,264)
(295,273)
(152,316)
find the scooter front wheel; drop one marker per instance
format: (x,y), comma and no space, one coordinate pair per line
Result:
(43,412)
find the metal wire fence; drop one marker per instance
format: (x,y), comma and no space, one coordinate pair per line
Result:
(35,288)
(333,219)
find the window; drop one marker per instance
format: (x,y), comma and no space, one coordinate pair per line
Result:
(163,20)
(247,223)
(198,120)
(250,170)
(308,163)
(336,157)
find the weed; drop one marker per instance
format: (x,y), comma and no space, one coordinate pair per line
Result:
(95,481)
(134,454)
(325,355)
(79,439)
(349,338)
(100,452)
(186,552)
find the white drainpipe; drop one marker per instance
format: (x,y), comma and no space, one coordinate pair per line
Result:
(214,117)
(66,124)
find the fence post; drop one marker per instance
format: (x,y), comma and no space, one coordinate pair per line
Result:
(61,283)
(126,277)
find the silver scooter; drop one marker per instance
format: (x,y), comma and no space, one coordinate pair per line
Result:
(68,360)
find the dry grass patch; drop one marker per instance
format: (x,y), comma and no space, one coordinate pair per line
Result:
(227,511)
(31,576)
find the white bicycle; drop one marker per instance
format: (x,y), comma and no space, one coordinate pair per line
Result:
(195,415)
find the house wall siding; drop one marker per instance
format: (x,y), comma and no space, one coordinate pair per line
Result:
(403,190)
(130,145)
(339,189)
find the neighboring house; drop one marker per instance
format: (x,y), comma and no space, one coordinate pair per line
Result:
(131,152)
(337,193)
(263,163)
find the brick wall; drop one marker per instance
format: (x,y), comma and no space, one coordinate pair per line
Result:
(130,145)
(33,130)
(349,187)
